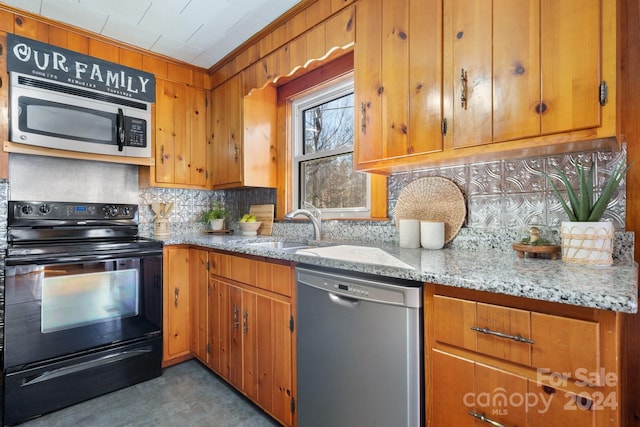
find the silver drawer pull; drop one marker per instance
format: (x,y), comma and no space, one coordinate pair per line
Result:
(482,417)
(488,331)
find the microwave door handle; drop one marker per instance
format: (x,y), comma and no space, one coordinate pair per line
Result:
(120,129)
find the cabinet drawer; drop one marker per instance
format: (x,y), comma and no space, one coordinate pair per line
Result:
(274,277)
(570,347)
(552,344)
(269,276)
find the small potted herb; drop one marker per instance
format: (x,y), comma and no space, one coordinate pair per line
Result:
(586,239)
(215,216)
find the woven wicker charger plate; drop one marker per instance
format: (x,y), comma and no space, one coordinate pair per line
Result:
(433,199)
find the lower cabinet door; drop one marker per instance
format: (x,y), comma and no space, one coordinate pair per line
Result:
(452,390)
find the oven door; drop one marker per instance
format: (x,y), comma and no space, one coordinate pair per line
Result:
(59,308)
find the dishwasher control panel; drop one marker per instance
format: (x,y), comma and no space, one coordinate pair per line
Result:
(361,287)
(357,290)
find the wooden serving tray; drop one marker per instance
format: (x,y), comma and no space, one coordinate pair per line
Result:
(536,250)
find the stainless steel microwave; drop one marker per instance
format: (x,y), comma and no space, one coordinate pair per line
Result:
(57,115)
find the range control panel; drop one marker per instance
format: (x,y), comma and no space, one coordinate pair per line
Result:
(27,211)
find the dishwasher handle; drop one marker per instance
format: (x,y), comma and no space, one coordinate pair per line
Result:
(343,301)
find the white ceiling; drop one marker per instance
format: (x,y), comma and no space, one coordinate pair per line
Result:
(198,32)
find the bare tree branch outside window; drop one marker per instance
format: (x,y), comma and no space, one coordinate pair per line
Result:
(330,181)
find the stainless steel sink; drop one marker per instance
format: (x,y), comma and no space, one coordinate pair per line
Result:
(285,246)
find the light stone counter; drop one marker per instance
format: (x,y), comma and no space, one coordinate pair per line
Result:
(608,288)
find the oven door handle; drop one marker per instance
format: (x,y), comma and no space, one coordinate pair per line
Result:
(40,260)
(105,360)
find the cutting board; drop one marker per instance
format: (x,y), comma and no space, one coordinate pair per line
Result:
(265,214)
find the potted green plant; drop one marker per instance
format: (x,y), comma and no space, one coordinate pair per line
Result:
(215,216)
(585,238)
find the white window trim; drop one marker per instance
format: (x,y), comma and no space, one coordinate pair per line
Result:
(298,105)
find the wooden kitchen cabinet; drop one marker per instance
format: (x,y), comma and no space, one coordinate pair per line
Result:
(250,330)
(198,299)
(519,362)
(517,76)
(398,83)
(471,393)
(243,136)
(520,69)
(176,267)
(180,127)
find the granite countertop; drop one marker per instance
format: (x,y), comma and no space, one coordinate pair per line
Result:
(607,288)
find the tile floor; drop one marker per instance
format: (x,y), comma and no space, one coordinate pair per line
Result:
(185,395)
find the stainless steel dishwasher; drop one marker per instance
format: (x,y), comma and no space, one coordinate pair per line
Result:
(359,346)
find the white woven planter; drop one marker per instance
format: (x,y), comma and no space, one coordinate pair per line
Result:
(587,242)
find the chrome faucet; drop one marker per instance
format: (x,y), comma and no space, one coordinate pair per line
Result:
(317,225)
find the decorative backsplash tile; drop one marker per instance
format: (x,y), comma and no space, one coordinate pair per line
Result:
(512,193)
(501,194)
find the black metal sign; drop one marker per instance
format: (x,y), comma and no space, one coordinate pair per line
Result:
(54,63)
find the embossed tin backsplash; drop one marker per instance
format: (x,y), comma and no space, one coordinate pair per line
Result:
(512,193)
(500,194)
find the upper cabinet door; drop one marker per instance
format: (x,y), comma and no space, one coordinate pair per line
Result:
(570,40)
(494,71)
(522,68)
(180,135)
(398,81)
(243,136)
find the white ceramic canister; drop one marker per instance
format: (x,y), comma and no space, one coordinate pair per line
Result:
(432,234)
(409,230)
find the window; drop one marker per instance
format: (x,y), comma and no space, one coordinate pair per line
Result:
(322,161)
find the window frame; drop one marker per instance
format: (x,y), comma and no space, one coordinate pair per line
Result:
(300,102)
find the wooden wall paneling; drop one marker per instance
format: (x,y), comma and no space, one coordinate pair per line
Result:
(265,45)
(104,50)
(296,25)
(316,13)
(283,168)
(179,73)
(155,65)
(298,52)
(629,91)
(131,59)
(7,21)
(276,65)
(336,5)
(315,42)
(280,36)
(31,28)
(223,74)
(250,79)
(339,29)
(199,78)
(69,40)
